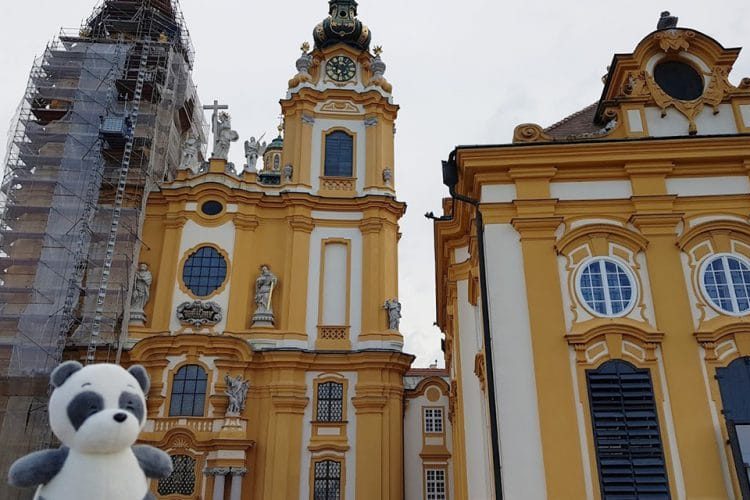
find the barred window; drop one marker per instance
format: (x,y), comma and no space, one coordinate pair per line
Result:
(433,420)
(188,392)
(204,271)
(726,283)
(339,160)
(182,479)
(435,484)
(327,480)
(330,402)
(606,287)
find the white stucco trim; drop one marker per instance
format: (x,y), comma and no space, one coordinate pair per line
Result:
(583,432)
(591,190)
(745,113)
(498,193)
(520,432)
(679,479)
(322,214)
(634,121)
(709,186)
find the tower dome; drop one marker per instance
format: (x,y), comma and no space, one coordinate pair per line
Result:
(342,26)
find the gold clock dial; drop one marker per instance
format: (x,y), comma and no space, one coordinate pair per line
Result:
(341,68)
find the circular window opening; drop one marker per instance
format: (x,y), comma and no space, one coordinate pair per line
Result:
(679,80)
(204,271)
(212,207)
(725,282)
(606,287)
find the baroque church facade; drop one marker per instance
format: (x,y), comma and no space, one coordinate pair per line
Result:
(593,285)
(266,306)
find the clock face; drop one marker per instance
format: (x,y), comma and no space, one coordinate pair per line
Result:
(341,68)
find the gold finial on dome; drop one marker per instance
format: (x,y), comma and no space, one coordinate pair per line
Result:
(305,48)
(377,50)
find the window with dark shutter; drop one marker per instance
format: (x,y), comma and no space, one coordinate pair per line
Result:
(626,433)
(339,160)
(188,392)
(734,381)
(327,480)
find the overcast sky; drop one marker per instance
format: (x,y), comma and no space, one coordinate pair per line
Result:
(463,72)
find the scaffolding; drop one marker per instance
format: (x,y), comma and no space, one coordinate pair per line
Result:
(105,111)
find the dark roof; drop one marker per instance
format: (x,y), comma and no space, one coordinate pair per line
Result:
(427,372)
(580,122)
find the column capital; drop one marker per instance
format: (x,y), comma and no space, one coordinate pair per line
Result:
(301,223)
(536,228)
(217,471)
(247,222)
(657,224)
(238,471)
(174,221)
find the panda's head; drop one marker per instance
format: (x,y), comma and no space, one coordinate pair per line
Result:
(98,408)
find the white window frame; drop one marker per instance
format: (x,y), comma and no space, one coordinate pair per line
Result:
(607,299)
(733,297)
(431,421)
(436,482)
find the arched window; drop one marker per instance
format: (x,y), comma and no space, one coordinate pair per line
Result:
(626,432)
(734,381)
(327,480)
(182,479)
(330,402)
(204,271)
(188,392)
(339,161)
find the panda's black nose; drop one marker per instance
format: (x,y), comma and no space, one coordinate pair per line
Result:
(120,417)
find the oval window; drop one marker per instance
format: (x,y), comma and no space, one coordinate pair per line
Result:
(606,287)
(725,282)
(212,208)
(680,80)
(204,271)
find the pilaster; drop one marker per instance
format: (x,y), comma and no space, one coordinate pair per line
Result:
(240,303)
(166,279)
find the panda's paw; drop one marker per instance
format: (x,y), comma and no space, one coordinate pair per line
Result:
(37,468)
(154,462)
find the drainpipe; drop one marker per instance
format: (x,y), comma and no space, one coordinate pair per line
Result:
(450,179)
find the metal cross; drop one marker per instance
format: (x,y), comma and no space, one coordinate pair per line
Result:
(215,116)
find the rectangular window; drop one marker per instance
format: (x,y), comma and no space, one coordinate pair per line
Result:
(339,160)
(435,484)
(433,420)
(330,402)
(627,439)
(327,480)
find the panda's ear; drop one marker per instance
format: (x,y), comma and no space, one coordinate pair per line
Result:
(141,375)
(63,372)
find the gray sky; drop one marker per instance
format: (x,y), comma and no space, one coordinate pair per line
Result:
(464,72)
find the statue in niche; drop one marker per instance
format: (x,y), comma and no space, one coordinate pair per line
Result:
(190,159)
(387,176)
(264,286)
(224,136)
(141,294)
(254,149)
(393,307)
(237,392)
(287,172)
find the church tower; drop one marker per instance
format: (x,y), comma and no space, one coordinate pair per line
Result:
(266,303)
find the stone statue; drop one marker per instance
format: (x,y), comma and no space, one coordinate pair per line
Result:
(190,159)
(237,392)
(287,172)
(393,307)
(264,286)
(224,136)
(141,293)
(666,21)
(387,176)
(254,150)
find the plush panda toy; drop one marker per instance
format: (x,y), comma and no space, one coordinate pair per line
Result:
(97,412)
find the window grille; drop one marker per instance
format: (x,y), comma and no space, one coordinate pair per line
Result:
(435,484)
(339,160)
(327,480)
(726,283)
(182,479)
(626,433)
(204,271)
(330,402)
(188,392)
(606,287)
(433,420)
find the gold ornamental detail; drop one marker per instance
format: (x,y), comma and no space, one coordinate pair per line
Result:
(674,40)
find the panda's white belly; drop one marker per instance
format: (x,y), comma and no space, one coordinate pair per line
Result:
(114,476)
